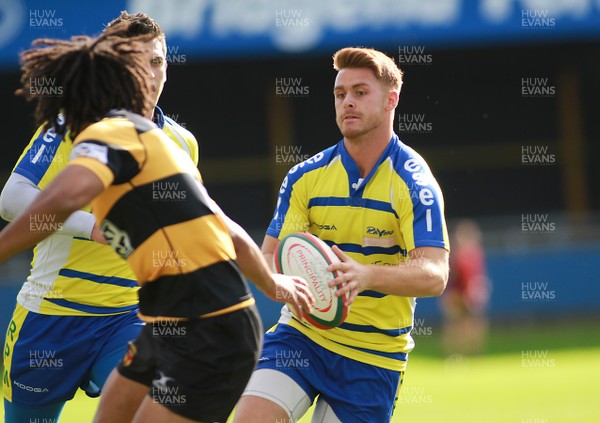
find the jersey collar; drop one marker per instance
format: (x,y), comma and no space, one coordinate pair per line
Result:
(356,184)
(158,117)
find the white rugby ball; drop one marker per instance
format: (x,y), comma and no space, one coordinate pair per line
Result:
(305,255)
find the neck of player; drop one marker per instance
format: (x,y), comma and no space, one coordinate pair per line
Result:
(366,149)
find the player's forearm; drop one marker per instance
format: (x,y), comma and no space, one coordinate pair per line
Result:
(417,278)
(72,189)
(20,192)
(250,259)
(254,266)
(44,217)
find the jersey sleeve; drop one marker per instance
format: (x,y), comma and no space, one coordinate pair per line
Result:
(39,155)
(112,164)
(291,211)
(421,207)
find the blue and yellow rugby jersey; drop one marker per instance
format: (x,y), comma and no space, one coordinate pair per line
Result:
(376,220)
(176,132)
(156,214)
(73,275)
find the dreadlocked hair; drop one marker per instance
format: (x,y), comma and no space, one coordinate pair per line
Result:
(139,24)
(84,78)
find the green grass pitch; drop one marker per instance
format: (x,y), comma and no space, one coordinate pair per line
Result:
(535,375)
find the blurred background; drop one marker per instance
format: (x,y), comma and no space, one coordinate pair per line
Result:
(499,96)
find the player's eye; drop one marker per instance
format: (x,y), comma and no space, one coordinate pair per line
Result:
(340,95)
(361,93)
(157,61)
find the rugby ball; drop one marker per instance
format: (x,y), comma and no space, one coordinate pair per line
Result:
(305,255)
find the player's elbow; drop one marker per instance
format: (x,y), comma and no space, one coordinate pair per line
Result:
(436,283)
(438,286)
(65,202)
(6,211)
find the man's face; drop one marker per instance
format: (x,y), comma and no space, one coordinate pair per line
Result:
(158,67)
(360,102)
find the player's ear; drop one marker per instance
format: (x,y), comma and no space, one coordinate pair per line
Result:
(392,100)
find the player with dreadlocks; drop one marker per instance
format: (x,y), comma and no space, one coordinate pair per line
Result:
(123,165)
(79,303)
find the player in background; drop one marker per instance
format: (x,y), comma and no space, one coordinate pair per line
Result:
(464,302)
(120,161)
(77,310)
(375,200)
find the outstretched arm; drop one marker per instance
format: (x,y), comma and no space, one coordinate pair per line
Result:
(278,287)
(425,274)
(72,189)
(18,194)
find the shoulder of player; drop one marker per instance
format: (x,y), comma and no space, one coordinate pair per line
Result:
(47,136)
(176,127)
(408,164)
(317,162)
(44,151)
(115,128)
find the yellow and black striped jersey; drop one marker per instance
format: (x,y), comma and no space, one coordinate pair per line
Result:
(72,275)
(157,215)
(375,220)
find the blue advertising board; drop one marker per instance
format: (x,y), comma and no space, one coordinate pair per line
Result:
(213,29)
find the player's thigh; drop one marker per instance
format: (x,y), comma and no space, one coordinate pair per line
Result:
(324,413)
(152,412)
(362,393)
(272,396)
(130,381)
(44,363)
(253,409)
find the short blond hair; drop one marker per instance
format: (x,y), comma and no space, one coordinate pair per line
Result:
(382,66)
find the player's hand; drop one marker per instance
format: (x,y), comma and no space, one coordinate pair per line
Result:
(97,235)
(356,276)
(294,291)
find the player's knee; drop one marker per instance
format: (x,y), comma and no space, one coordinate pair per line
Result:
(254,409)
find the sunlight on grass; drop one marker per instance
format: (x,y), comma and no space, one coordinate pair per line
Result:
(522,386)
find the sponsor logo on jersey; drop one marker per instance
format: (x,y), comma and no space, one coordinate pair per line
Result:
(91,151)
(325,227)
(30,388)
(372,230)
